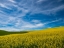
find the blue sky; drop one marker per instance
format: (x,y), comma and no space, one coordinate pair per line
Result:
(17,15)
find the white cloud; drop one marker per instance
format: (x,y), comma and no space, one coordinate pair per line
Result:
(20,11)
(57,8)
(17,23)
(40,25)
(33,25)
(48,11)
(1,12)
(12,1)
(6,20)
(22,25)
(29,6)
(32,7)
(26,7)
(39,1)
(36,21)
(10,29)
(53,21)
(4,6)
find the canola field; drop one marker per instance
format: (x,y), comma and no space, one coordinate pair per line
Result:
(48,38)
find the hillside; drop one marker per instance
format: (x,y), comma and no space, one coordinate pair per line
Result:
(48,38)
(2,32)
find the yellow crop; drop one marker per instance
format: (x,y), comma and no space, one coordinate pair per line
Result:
(50,38)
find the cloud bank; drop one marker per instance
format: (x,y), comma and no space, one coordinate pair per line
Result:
(12,13)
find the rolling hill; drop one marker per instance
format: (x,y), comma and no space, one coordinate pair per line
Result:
(2,32)
(47,38)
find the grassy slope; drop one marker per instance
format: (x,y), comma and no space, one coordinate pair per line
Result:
(49,38)
(2,32)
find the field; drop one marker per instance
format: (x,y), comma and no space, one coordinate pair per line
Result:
(48,38)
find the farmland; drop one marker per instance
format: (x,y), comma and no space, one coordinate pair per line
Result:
(47,38)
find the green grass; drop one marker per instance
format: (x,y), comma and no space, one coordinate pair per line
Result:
(2,32)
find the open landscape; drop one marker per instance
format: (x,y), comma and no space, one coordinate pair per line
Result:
(31,23)
(47,38)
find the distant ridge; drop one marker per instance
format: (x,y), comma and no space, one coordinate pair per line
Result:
(3,32)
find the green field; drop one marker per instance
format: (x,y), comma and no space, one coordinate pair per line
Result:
(48,38)
(2,32)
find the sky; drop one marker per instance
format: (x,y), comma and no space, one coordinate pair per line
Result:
(18,15)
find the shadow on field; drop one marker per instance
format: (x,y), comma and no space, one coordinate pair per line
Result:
(2,32)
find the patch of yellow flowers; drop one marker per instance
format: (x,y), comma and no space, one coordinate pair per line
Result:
(50,38)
